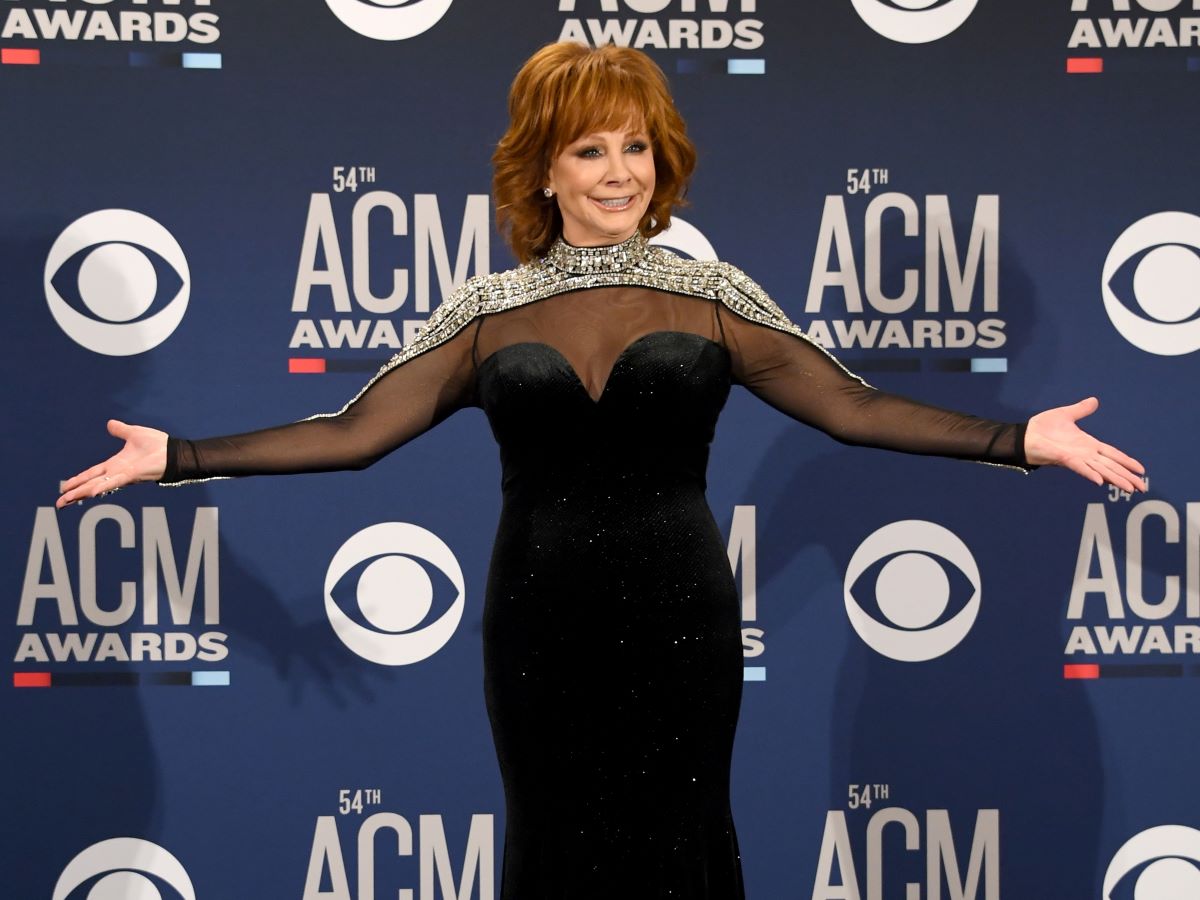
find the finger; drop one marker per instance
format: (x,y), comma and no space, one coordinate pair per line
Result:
(119,429)
(1086,471)
(1113,474)
(1116,475)
(85,476)
(73,496)
(1133,477)
(1123,458)
(1139,481)
(95,487)
(1084,407)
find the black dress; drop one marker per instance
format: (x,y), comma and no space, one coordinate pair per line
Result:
(612,634)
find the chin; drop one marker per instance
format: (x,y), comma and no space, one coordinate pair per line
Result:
(619,231)
(609,230)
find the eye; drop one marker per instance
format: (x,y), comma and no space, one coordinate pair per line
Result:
(394,593)
(1160,862)
(912,590)
(117,282)
(122,868)
(589,152)
(1155,262)
(636,147)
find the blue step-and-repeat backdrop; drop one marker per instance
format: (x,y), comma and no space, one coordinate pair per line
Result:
(961,682)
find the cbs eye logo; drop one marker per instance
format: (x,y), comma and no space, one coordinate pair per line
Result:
(913,586)
(107,259)
(124,869)
(914,21)
(391,569)
(389,20)
(1161,863)
(686,239)
(1165,283)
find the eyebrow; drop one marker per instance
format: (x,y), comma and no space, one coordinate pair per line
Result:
(641,132)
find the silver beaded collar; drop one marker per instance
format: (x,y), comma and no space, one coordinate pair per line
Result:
(593,260)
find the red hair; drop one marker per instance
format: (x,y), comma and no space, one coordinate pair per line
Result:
(567,90)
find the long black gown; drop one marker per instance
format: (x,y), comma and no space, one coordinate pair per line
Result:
(613,659)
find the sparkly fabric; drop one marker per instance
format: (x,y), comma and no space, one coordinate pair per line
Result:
(613,662)
(612,646)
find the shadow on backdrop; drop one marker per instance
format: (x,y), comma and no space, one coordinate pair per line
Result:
(991,724)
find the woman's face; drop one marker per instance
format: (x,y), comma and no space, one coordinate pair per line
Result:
(603,182)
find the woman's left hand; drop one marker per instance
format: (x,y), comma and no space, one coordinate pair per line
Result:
(1053,439)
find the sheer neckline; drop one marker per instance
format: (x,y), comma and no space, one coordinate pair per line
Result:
(590,260)
(660,335)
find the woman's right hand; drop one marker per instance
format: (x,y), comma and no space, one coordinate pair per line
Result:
(143,458)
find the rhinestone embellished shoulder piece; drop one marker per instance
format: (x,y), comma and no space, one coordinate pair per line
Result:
(451,316)
(565,268)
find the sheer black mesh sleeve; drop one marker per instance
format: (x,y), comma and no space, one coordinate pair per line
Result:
(800,379)
(395,407)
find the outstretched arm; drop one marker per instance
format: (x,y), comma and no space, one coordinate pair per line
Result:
(803,381)
(397,405)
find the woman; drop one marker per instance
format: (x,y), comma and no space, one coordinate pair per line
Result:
(612,634)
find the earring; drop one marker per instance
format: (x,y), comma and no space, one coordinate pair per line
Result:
(547,193)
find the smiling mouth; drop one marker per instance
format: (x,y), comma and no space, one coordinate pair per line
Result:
(616,204)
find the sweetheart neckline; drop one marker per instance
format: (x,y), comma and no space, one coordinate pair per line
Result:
(611,369)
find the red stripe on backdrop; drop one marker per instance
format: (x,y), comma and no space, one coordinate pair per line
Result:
(11,56)
(1081,671)
(301,366)
(31,679)
(1084,65)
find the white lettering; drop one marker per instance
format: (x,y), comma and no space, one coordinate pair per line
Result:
(983,244)
(477,860)
(360,251)
(835,848)
(874,256)
(984,859)
(46,547)
(431,242)
(1138,604)
(912,841)
(742,549)
(326,855)
(320,233)
(366,848)
(1080,641)
(157,555)
(87,566)
(1095,543)
(60,23)
(834,233)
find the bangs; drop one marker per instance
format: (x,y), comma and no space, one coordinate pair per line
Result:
(603,99)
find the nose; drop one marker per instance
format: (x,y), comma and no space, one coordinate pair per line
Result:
(618,170)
